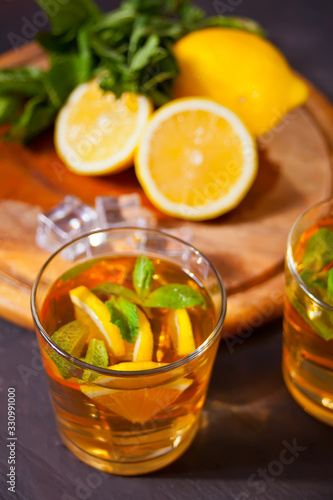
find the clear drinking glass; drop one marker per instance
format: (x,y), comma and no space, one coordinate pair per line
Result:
(164,423)
(308,312)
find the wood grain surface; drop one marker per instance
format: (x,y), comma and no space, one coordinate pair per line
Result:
(247,245)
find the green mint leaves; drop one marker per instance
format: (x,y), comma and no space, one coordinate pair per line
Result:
(174,296)
(97,356)
(318,255)
(318,277)
(110,288)
(75,271)
(129,48)
(71,338)
(68,16)
(318,250)
(124,301)
(125,315)
(142,276)
(171,296)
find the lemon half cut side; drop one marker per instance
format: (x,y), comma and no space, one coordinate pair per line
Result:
(96,133)
(196,159)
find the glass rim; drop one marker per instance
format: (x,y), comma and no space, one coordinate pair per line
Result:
(213,336)
(290,257)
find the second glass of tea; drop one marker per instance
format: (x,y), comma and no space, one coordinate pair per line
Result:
(128,334)
(308,312)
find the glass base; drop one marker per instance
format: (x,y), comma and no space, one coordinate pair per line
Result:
(309,401)
(132,468)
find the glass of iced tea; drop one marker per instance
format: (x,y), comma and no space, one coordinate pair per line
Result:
(128,332)
(308,312)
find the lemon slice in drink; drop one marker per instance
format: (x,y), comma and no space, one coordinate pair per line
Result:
(144,344)
(96,133)
(137,405)
(93,312)
(181,332)
(196,159)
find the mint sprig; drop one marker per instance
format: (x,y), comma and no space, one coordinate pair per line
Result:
(125,315)
(318,277)
(143,276)
(175,296)
(96,355)
(171,296)
(71,338)
(318,250)
(129,49)
(110,288)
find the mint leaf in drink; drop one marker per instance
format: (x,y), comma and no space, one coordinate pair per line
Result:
(312,279)
(71,338)
(110,288)
(97,356)
(175,296)
(75,271)
(142,276)
(319,250)
(125,315)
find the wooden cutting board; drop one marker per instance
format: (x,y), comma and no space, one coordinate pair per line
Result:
(247,245)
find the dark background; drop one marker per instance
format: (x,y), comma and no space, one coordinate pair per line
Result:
(302,29)
(249,416)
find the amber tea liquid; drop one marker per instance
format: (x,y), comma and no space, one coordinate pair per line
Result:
(128,422)
(307,356)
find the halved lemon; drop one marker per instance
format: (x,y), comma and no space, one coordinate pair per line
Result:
(196,159)
(181,333)
(91,311)
(137,405)
(96,133)
(144,344)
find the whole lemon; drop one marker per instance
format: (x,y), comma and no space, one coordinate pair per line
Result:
(241,71)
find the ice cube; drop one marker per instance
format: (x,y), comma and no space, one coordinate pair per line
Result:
(63,223)
(182,232)
(168,247)
(122,211)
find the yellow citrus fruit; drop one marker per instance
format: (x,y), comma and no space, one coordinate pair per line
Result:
(96,133)
(144,344)
(130,366)
(239,70)
(149,380)
(196,159)
(137,405)
(180,329)
(91,311)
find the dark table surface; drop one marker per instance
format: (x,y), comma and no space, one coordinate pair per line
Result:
(249,417)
